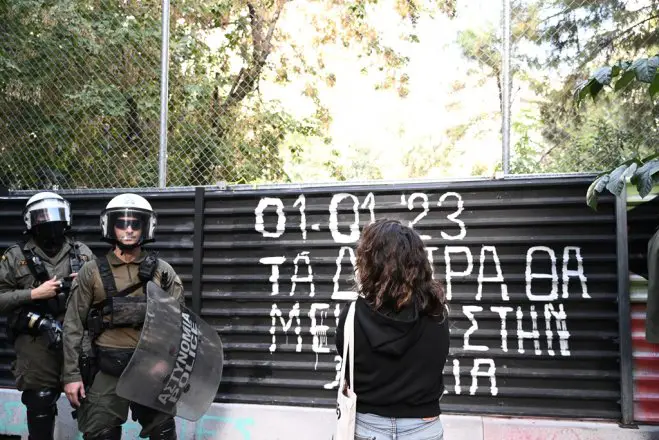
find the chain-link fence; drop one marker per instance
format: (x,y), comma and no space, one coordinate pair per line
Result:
(79,94)
(556,45)
(279,91)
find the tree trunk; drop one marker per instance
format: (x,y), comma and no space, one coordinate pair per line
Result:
(244,84)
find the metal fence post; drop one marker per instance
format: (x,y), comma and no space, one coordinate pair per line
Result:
(506,85)
(198,250)
(624,313)
(164,95)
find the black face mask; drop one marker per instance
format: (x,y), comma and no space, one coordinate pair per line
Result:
(49,236)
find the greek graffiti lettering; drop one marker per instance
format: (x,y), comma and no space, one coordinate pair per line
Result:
(285,325)
(497,279)
(545,280)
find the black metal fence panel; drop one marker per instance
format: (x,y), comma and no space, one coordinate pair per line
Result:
(528,268)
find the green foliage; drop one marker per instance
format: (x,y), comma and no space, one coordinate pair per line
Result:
(80,88)
(565,38)
(643,70)
(421,159)
(525,158)
(641,172)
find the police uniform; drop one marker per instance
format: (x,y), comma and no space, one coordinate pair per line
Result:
(37,368)
(102,412)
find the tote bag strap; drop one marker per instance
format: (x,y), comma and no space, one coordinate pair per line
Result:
(348,348)
(351,356)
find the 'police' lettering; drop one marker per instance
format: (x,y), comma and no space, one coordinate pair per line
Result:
(185,360)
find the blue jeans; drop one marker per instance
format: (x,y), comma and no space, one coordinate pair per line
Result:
(372,427)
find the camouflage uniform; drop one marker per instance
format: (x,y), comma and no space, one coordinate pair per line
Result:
(102,412)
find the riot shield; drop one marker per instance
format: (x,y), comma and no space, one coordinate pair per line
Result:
(177,365)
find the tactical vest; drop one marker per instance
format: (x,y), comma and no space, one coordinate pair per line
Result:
(122,310)
(56,305)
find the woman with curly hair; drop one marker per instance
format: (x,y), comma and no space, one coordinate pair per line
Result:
(401,337)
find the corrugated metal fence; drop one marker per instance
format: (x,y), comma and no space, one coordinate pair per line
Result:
(529,269)
(643,218)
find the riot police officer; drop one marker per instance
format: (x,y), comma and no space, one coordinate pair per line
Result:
(108,304)
(35,279)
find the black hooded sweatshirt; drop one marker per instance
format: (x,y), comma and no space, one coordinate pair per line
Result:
(399,360)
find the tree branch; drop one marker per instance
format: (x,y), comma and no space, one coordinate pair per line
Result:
(547,153)
(247,79)
(261,47)
(273,25)
(257,31)
(564,11)
(616,35)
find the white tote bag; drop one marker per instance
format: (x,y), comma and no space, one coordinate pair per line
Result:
(346,404)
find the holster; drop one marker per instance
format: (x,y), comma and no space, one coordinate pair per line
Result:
(113,361)
(88,364)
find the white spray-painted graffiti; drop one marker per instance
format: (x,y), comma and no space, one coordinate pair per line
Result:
(543,289)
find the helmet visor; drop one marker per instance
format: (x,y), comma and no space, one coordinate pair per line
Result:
(46,211)
(45,215)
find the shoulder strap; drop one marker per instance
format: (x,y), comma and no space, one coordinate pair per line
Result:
(75,260)
(128,290)
(348,349)
(34,263)
(106,276)
(351,355)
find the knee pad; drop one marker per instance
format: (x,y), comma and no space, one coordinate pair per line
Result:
(43,399)
(41,411)
(113,433)
(164,431)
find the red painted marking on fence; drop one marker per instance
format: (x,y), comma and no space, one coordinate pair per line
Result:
(646,370)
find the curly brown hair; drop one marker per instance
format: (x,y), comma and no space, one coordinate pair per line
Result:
(393,269)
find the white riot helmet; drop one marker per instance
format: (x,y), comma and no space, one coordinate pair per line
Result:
(129,214)
(46,207)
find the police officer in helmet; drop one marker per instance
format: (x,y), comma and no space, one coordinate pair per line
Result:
(108,305)
(35,280)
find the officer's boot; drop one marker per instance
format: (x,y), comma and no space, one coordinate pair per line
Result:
(113,433)
(41,411)
(164,431)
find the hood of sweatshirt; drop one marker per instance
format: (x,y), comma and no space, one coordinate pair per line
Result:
(389,331)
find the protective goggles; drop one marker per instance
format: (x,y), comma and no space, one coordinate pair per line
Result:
(123,224)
